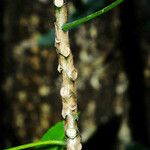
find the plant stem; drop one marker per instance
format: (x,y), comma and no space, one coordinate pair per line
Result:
(68,26)
(69,76)
(35,144)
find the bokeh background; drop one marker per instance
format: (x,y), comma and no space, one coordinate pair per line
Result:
(112,55)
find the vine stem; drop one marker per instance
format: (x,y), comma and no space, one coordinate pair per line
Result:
(68,26)
(35,144)
(69,75)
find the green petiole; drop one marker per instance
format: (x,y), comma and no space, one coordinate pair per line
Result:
(35,144)
(78,22)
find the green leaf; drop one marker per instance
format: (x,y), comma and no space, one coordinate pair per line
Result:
(54,133)
(136,146)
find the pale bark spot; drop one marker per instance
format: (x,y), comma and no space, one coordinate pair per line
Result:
(65,92)
(58,3)
(72,74)
(71,133)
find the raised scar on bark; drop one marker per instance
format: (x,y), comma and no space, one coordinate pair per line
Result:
(58,3)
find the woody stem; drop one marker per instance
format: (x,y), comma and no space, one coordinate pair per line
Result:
(69,76)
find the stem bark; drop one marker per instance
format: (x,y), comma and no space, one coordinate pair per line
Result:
(69,76)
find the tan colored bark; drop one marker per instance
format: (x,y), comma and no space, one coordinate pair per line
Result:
(69,76)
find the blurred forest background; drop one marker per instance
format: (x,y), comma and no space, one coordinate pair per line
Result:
(112,55)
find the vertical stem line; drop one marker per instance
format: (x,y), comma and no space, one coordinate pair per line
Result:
(69,76)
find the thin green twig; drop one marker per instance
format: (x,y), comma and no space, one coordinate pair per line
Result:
(80,21)
(35,144)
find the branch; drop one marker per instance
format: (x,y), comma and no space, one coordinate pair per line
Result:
(78,22)
(35,144)
(69,75)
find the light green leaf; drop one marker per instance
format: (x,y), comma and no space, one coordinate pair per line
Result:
(54,133)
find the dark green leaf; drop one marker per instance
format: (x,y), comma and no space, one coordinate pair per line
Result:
(136,146)
(47,39)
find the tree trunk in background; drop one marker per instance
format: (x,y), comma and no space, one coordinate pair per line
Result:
(134,63)
(31,83)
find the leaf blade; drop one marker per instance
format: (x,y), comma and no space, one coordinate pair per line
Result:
(54,133)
